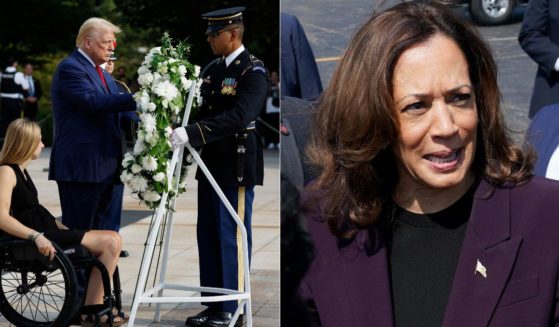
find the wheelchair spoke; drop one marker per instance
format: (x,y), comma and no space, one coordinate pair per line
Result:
(13,281)
(35,292)
(36,296)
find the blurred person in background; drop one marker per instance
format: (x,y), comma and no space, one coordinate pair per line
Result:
(13,89)
(34,94)
(539,37)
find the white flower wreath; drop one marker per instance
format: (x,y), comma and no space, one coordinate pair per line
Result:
(165,77)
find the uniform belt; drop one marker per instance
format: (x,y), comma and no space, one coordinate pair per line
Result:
(251,125)
(11,95)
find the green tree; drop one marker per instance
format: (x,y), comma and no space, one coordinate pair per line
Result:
(182,20)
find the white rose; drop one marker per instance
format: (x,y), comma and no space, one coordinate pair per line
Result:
(148,123)
(162,69)
(139,146)
(144,99)
(152,139)
(197,70)
(186,83)
(158,177)
(128,158)
(151,106)
(143,70)
(136,168)
(151,196)
(182,69)
(154,50)
(145,79)
(125,177)
(156,79)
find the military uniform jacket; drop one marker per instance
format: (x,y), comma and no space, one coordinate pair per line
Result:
(233,97)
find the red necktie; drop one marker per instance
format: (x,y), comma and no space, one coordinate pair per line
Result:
(100,72)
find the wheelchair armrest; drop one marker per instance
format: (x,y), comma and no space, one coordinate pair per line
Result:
(76,252)
(27,250)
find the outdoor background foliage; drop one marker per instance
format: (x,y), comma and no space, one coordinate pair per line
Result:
(43,32)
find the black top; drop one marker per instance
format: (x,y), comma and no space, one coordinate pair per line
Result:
(25,205)
(424,251)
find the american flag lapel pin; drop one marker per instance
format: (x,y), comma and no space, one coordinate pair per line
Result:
(480,268)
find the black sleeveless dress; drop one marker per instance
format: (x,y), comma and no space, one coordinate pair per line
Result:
(25,207)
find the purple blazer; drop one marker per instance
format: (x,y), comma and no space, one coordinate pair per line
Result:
(514,233)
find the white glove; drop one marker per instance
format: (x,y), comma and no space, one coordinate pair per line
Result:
(178,137)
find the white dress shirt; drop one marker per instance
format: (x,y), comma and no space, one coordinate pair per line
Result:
(552,171)
(229,59)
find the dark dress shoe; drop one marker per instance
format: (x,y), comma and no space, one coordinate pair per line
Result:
(222,319)
(199,319)
(124,254)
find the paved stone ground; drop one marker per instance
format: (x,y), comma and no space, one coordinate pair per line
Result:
(183,259)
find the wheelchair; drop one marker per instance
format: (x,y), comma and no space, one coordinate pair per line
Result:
(35,291)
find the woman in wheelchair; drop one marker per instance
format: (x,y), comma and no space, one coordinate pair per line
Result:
(22,216)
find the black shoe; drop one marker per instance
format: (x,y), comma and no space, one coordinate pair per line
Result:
(124,254)
(222,319)
(199,319)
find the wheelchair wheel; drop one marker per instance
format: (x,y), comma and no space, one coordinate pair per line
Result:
(33,290)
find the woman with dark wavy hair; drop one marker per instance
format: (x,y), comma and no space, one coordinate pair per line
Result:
(425,213)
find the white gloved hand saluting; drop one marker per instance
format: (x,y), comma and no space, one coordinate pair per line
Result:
(178,137)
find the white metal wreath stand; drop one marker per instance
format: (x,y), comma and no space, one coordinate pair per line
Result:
(155,294)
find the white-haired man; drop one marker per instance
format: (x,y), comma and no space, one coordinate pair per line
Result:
(88,108)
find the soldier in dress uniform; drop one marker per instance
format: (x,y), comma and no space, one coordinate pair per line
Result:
(234,91)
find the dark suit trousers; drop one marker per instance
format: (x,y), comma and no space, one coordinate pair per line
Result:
(86,206)
(112,220)
(217,239)
(30,110)
(11,110)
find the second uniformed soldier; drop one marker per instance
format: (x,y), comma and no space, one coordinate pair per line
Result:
(234,92)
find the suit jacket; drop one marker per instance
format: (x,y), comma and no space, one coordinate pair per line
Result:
(299,73)
(543,136)
(38,93)
(539,37)
(38,89)
(233,97)
(296,118)
(513,232)
(87,143)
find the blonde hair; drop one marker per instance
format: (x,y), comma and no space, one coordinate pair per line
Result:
(91,28)
(22,138)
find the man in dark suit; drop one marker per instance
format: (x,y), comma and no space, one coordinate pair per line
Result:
(234,90)
(87,105)
(35,92)
(296,127)
(543,136)
(299,73)
(539,37)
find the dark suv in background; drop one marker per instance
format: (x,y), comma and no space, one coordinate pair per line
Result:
(490,12)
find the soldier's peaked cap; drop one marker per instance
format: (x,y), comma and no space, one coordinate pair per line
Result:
(219,19)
